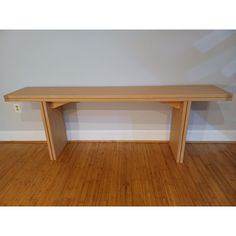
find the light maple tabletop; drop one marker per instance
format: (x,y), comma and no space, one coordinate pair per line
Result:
(179,98)
(146,93)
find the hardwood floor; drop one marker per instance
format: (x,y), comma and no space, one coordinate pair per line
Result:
(117,174)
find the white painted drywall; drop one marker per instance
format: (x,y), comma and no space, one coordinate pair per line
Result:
(110,58)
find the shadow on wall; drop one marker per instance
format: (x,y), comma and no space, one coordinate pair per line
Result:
(200,113)
(203,109)
(105,113)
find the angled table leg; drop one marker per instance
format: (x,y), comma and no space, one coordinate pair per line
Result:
(54,128)
(179,126)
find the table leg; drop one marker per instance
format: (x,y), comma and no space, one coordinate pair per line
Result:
(179,126)
(54,128)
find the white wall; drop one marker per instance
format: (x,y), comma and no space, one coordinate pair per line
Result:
(110,58)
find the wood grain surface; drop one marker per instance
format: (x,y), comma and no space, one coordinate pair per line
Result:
(178,132)
(144,93)
(55,129)
(117,174)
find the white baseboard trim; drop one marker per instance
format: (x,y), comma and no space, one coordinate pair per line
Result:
(211,135)
(193,135)
(19,135)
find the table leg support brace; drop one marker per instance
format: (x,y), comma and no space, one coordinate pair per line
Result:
(55,130)
(179,126)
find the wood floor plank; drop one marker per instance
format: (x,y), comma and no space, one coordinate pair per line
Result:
(117,174)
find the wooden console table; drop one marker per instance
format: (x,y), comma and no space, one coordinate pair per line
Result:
(52,100)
